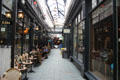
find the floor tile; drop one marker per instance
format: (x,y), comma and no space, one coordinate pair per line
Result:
(55,68)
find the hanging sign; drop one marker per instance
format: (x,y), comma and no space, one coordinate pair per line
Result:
(66,31)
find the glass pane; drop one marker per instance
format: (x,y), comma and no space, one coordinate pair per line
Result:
(79,18)
(5,29)
(119,42)
(75,42)
(80,42)
(94,3)
(7,3)
(102,44)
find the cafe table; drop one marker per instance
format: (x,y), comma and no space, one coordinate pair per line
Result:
(23,70)
(27,64)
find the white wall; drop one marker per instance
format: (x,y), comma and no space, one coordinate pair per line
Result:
(5,59)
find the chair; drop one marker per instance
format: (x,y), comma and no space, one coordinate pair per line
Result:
(12,74)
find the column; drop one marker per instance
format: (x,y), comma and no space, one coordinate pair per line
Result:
(88,6)
(115,34)
(14,20)
(31,38)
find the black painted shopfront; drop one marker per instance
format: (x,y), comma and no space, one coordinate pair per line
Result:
(21,26)
(93,42)
(94,29)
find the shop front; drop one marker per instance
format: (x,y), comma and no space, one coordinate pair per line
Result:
(95,38)
(78,38)
(5,23)
(101,42)
(5,35)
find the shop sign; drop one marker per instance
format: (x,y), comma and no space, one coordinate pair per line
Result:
(8,3)
(27,36)
(102,12)
(5,22)
(108,10)
(66,31)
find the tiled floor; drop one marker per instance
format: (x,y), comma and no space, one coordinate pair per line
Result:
(55,68)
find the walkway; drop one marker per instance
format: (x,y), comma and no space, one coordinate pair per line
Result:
(55,68)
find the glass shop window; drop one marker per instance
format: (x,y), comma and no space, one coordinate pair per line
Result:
(7,3)
(94,3)
(102,49)
(101,42)
(80,41)
(75,42)
(5,29)
(81,15)
(100,1)
(76,21)
(79,18)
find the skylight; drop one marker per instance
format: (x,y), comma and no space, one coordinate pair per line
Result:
(57,11)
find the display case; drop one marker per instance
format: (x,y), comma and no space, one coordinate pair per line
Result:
(5,29)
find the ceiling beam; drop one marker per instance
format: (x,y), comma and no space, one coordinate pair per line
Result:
(57,7)
(60,12)
(49,10)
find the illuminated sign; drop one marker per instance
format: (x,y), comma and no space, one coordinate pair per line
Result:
(5,22)
(66,31)
(2,29)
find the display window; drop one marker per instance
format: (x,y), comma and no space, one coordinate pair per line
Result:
(75,42)
(102,52)
(78,37)
(7,3)
(80,41)
(101,42)
(94,3)
(5,29)
(79,18)
(22,35)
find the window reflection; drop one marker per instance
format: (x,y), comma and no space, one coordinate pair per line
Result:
(80,42)
(102,43)
(5,29)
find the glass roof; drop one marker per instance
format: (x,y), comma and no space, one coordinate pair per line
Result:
(57,11)
(54,12)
